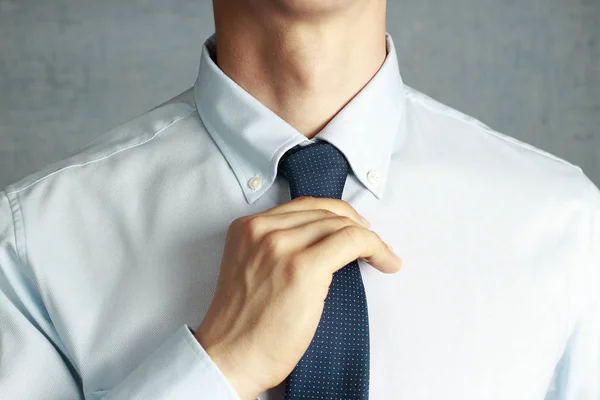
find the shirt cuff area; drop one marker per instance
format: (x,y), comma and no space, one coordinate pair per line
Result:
(179,369)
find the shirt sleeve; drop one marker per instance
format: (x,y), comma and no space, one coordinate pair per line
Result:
(179,369)
(577,376)
(34,363)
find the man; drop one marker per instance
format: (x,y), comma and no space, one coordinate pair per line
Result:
(205,250)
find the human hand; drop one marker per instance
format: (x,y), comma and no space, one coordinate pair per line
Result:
(274,277)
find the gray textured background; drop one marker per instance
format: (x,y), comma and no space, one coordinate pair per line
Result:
(72,69)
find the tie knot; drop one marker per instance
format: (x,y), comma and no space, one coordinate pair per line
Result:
(318,169)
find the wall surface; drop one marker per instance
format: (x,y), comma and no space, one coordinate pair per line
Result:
(70,70)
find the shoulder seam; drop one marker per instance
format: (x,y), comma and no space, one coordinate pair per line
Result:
(15,207)
(104,157)
(419,97)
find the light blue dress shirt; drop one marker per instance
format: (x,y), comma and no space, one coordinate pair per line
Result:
(109,256)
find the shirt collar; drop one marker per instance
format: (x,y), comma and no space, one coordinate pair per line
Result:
(253,138)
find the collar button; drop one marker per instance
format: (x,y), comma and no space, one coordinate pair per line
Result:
(373,176)
(255,183)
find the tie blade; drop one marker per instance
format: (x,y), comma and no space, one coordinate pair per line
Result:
(336,364)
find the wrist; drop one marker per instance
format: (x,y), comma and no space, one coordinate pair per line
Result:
(235,368)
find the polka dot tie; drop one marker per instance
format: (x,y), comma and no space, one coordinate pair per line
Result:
(336,364)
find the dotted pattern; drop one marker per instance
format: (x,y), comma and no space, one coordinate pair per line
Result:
(336,364)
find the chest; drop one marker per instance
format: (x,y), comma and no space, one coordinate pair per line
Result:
(476,312)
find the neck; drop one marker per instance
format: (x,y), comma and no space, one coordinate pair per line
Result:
(303,66)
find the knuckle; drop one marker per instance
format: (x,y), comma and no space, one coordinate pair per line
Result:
(253,228)
(344,204)
(327,213)
(376,240)
(235,226)
(353,233)
(272,243)
(343,221)
(344,208)
(294,268)
(376,236)
(236,223)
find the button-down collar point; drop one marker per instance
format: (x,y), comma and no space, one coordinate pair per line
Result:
(255,183)
(373,176)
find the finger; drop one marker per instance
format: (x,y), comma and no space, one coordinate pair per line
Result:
(259,225)
(299,218)
(346,245)
(302,203)
(298,238)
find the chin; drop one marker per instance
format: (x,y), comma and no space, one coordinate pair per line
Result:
(311,6)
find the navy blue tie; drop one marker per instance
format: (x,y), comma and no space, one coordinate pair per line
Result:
(336,364)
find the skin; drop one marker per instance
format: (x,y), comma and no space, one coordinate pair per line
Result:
(274,277)
(305,60)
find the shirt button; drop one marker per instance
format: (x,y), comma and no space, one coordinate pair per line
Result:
(373,176)
(255,183)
